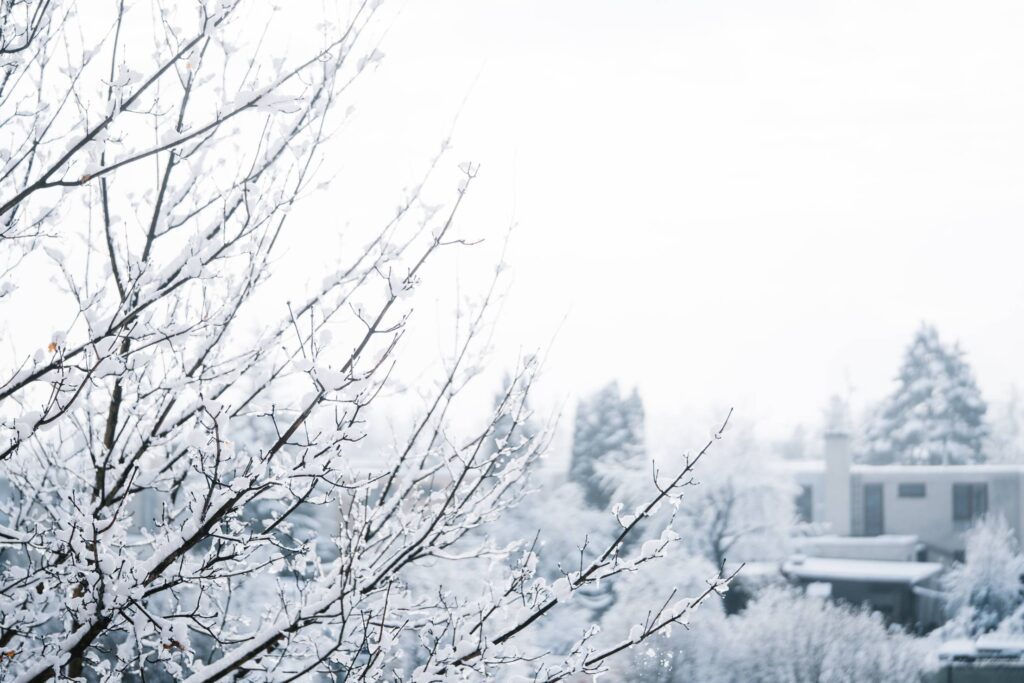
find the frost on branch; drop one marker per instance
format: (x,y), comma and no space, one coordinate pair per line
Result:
(187,485)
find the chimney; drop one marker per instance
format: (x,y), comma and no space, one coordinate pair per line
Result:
(837,468)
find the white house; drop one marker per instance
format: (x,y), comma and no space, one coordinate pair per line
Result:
(934,503)
(887,531)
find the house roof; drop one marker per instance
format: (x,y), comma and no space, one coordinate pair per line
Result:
(877,571)
(819,466)
(985,647)
(859,541)
(939,469)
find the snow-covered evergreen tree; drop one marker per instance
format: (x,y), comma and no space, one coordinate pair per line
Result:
(1006,435)
(513,433)
(936,415)
(608,444)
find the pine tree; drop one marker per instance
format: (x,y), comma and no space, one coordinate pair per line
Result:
(513,432)
(936,415)
(608,444)
(607,463)
(1006,433)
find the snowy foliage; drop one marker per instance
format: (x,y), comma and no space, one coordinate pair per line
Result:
(681,576)
(608,455)
(180,495)
(783,637)
(796,446)
(936,414)
(987,588)
(742,509)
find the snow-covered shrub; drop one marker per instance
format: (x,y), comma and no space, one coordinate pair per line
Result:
(783,636)
(987,587)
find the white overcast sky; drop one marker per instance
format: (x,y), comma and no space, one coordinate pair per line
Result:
(734,203)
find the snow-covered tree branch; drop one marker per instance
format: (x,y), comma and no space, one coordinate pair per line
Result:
(166,471)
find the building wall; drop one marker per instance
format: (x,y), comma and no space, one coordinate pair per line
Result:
(838,458)
(931,517)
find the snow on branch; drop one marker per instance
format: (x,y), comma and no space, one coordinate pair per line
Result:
(195,479)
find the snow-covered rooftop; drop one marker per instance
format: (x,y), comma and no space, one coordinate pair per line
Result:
(986,646)
(881,571)
(939,469)
(859,541)
(818,465)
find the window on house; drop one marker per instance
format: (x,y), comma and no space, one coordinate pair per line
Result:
(804,504)
(970,502)
(914,490)
(874,515)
